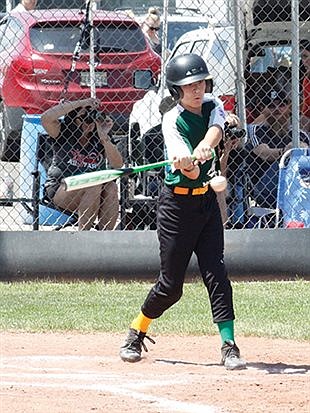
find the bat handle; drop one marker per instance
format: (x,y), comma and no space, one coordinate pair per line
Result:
(212,152)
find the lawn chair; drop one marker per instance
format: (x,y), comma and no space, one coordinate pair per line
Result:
(44,211)
(293,200)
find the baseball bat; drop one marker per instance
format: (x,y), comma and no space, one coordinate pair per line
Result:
(101,177)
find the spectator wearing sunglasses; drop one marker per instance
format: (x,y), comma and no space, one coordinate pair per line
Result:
(150,28)
(267,142)
(82,144)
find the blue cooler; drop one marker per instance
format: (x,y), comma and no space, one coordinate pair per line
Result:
(31,129)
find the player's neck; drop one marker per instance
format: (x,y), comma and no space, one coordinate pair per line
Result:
(196,110)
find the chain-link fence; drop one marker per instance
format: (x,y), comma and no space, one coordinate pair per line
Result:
(257,53)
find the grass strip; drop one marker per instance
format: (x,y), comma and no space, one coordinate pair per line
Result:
(267,309)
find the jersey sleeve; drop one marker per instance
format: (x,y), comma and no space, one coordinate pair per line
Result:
(174,142)
(217,115)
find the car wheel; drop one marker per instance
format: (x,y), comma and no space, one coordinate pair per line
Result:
(9,140)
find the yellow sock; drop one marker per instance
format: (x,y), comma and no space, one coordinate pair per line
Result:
(141,323)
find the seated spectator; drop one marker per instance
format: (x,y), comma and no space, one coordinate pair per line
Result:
(82,144)
(230,142)
(231,160)
(150,28)
(268,141)
(305,91)
(305,110)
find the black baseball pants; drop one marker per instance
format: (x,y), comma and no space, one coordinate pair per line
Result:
(187,224)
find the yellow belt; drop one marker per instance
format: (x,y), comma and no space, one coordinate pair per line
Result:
(179,190)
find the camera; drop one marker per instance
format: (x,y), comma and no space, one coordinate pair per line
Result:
(93,116)
(233,133)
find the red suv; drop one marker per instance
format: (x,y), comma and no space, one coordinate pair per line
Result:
(44,57)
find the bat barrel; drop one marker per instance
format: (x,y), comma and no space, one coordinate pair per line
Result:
(89,179)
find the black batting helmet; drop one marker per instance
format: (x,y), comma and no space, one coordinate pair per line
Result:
(183,70)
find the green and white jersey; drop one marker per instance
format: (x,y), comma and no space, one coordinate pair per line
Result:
(183,130)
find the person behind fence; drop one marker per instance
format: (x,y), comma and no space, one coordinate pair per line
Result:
(267,142)
(189,218)
(150,27)
(82,144)
(25,5)
(230,153)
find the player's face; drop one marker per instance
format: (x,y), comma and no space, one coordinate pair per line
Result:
(193,94)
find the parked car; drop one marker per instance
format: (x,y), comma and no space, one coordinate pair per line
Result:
(40,54)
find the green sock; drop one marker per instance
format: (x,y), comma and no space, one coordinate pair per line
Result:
(226,329)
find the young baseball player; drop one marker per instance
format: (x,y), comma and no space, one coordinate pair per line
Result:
(189,218)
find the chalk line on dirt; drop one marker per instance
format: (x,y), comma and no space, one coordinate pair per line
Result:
(26,375)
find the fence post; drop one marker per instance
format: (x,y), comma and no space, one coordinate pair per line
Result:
(240,82)
(295,74)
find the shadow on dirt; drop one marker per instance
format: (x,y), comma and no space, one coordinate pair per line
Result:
(281,368)
(270,368)
(185,362)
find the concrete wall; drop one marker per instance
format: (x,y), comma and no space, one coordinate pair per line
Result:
(134,254)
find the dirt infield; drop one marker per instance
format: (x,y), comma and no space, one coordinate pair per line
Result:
(81,373)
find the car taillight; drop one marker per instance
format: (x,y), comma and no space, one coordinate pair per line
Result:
(229,102)
(22,65)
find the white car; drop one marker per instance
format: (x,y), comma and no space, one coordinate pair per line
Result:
(216,46)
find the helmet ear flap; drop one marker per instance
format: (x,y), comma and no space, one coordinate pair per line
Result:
(176,92)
